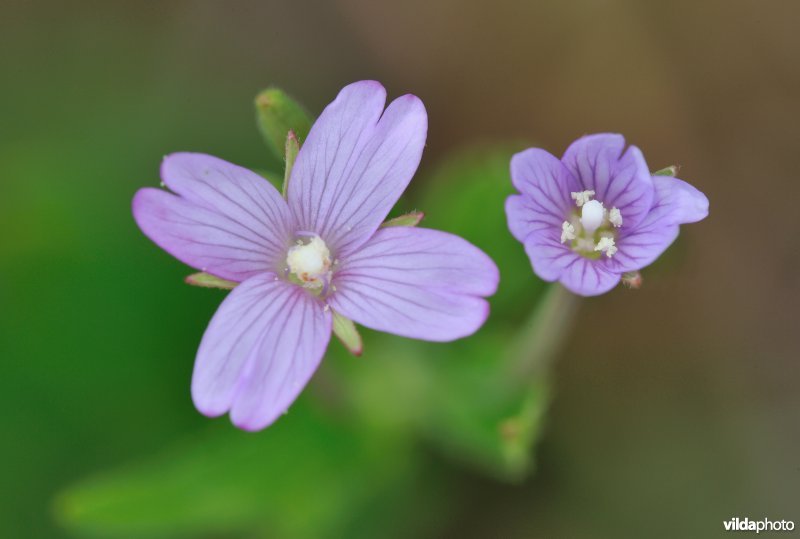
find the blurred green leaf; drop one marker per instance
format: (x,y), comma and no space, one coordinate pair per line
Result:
(477,416)
(277,114)
(305,477)
(491,390)
(466,195)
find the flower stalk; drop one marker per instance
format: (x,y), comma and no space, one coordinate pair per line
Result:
(542,335)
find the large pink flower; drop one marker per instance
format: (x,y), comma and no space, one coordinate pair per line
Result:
(318,251)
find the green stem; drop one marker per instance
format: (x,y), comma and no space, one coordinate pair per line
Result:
(542,335)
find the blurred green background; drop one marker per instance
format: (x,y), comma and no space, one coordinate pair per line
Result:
(674,407)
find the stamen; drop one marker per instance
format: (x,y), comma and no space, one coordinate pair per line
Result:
(615,217)
(606,245)
(582,197)
(592,215)
(567,232)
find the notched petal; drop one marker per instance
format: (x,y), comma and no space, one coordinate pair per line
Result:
(355,164)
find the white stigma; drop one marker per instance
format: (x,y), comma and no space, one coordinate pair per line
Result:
(309,261)
(615,217)
(567,232)
(592,215)
(582,197)
(606,245)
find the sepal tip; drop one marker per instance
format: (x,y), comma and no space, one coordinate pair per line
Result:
(206,280)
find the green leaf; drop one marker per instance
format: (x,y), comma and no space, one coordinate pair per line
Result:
(206,280)
(466,196)
(306,477)
(409,219)
(478,417)
(493,390)
(489,393)
(346,331)
(668,171)
(292,149)
(277,114)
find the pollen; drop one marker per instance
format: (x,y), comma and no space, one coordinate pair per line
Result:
(582,197)
(567,232)
(615,217)
(606,245)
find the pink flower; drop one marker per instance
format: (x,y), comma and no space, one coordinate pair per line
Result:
(596,213)
(318,251)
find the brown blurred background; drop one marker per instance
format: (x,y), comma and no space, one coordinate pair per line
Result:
(677,406)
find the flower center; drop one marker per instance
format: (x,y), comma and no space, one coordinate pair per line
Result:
(592,232)
(308,263)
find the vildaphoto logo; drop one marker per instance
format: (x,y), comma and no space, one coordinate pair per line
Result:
(737,524)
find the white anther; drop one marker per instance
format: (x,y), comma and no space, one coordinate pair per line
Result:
(606,245)
(582,197)
(615,217)
(592,215)
(567,232)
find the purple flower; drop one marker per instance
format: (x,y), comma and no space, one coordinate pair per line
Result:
(321,249)
(596,213)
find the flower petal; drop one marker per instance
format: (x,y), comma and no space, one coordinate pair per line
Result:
(201,238)
(641,247)
(227,220)
(259,351)
(545,184)
(356,163)
(526,215)
(553,261)
(620,178)
(676,202)
(418,283)
(682,202)
(588,278)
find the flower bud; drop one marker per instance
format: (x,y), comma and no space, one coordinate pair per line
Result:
(277,114)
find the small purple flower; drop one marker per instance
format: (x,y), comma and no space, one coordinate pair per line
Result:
(321,249)
(597,213)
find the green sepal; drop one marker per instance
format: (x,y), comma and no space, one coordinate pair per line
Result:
(277,114)
(671,170)
(346,331)
(409,219)
(206,280)
(292,149)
